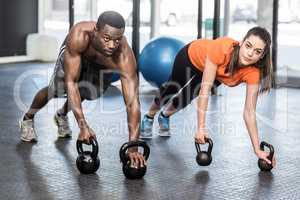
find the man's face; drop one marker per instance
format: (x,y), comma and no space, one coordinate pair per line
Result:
(251,50)
(107,39)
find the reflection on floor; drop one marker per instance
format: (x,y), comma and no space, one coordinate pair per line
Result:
(47,170)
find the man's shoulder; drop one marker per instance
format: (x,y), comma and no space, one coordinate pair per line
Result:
(124,42)
(79,36)
(85,25)
(124,48)
(82,29)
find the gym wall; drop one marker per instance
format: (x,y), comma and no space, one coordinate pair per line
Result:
(17,19)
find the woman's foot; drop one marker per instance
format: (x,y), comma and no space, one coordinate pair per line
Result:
(146,127)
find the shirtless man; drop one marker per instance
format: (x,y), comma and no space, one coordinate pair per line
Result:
(89,50)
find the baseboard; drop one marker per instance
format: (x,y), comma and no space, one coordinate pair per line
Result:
(15,59)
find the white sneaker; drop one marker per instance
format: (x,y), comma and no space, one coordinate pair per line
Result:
(62,124)
(28,133)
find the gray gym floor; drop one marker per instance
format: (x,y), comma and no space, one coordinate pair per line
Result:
(46,170)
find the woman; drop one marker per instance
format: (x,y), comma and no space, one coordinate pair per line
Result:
(204,63)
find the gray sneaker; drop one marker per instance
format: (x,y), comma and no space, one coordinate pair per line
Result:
(28,133)
(62,124)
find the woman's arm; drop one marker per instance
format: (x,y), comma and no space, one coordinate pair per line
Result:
(208,77)
(250,120)
(250,114)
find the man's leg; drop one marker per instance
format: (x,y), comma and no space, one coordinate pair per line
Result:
(41,98)
(64,110)
(62,121)
(39,101)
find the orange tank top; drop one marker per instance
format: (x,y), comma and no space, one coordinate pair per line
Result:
(219,52)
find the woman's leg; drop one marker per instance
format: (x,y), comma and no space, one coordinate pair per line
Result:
(181,74)
(166,91)
(184,97)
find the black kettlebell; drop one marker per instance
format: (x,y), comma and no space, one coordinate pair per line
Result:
(129,171)
(262,164)
(87,162)
(204,158)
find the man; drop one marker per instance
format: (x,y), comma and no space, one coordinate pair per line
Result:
(89,50)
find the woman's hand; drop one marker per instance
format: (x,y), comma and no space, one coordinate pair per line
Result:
(200,135)
(264,155)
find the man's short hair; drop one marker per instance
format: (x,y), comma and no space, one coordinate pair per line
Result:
(111,18)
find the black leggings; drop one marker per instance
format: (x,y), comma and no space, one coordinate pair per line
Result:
(184,83)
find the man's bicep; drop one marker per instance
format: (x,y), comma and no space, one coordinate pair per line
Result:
(128,69)
(72,62)
(129,87)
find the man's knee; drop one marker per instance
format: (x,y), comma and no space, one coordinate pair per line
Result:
(48,92)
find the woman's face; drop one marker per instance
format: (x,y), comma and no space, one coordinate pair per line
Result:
(251,50)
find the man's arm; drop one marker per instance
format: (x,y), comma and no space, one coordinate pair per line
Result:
(76,43)
(130,86)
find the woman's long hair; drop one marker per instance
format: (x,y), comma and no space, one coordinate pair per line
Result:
(264,64)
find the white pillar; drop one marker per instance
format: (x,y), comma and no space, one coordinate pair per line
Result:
(41,16)
(265,14)
(155,18)
(226,17)
(93,10)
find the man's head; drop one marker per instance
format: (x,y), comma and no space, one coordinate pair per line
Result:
(112,19)
(109,32)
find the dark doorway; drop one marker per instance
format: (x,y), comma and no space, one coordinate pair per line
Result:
(18,18)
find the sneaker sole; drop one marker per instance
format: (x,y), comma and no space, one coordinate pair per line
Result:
(164,133)
(146,136)
(33,140)
(61,135)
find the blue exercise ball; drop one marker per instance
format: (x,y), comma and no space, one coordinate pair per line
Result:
(115,77)
(157,58)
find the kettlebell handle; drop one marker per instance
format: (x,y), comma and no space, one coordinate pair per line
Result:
(130,144)
(271,148)
(210,145)
(95,147)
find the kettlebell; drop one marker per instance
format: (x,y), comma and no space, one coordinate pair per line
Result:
(262,164)
(204,158)
(87,162)
(129,171)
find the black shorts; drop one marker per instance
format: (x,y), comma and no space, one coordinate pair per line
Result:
(184,83)
(94,78)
